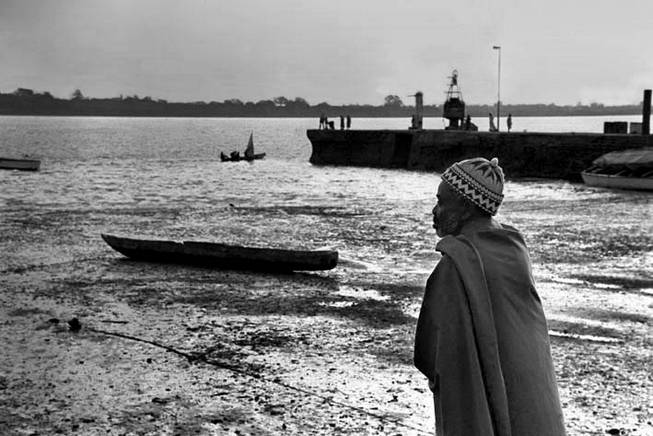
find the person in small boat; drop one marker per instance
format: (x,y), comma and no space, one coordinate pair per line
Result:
(223,156)
(481,338)
(235,155)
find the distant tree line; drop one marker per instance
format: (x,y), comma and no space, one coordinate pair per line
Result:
(27,102)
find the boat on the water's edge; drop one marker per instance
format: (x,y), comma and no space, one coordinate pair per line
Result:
(237,157)
(628,169)
(19,164)
(249,154)
(223,256)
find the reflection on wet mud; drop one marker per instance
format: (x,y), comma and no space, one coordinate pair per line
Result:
(616,283)
(583,329)
(607,315)
(581,337)
(322,211)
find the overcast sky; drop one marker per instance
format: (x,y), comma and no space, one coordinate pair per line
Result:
(349,51)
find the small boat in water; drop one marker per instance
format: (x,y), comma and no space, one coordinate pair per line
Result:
(223,256)
(627,169)
(19,164)
(249,155)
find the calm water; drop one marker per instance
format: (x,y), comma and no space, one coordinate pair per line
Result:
(164,177)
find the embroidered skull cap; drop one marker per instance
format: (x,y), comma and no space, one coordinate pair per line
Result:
(478,180)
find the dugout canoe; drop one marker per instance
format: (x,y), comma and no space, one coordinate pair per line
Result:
(216,255)
(19,164)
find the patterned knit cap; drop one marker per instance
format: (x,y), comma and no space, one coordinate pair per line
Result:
(479,180)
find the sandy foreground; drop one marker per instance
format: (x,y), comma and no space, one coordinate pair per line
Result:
(166,349)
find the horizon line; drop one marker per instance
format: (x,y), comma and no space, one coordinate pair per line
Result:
(161,100)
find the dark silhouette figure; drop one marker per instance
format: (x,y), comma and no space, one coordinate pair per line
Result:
(342,122)
(493,128)
(348,122)
(468,122)
(509,122)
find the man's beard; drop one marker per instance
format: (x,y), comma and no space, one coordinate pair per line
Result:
(449,224)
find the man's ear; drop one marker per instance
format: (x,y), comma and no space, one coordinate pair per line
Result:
(469,211)
(466,215)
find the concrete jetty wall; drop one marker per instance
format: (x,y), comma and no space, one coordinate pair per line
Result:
(521,154)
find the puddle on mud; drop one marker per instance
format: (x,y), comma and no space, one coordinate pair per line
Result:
(363,294)
(583,337)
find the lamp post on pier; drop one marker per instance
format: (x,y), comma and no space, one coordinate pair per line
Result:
(498,48)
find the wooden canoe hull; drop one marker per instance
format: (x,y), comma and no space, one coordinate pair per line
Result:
(223,256)
(617,182)
(19,164)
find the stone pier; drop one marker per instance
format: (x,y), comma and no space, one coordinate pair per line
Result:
(521,154)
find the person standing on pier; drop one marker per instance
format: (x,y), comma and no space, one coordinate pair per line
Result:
(482,339)
(342,122)
(348,122)
(509,122)
(493,128)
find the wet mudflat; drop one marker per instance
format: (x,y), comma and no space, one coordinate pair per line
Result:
(166,349)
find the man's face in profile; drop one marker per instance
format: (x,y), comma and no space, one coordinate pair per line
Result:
(449,212)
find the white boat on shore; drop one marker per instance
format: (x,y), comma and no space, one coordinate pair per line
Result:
(628,169)
(19,164)
(618,182)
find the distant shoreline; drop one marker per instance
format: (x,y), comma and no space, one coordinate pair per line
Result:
(288,116)
(25,102)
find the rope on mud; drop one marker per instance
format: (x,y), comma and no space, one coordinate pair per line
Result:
(202,358)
